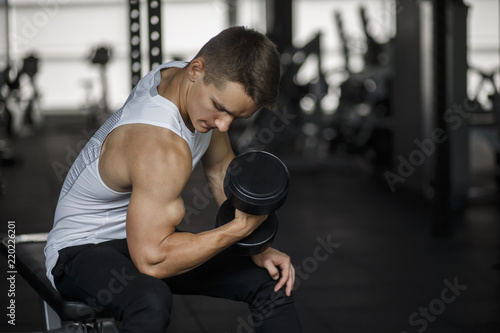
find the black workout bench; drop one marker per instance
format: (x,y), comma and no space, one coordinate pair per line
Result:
(60,314)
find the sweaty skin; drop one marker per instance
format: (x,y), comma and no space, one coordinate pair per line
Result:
(155,165)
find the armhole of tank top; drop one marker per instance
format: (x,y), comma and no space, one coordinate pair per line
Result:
(105,185)
(98,173)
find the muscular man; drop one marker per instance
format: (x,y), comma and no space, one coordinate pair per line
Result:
(114,242)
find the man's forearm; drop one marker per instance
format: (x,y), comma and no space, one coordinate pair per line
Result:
(215,178)
(184,251)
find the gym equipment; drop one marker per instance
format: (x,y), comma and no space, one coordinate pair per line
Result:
(155,47)
(485,119)
(154,32)
(32,117)
(100,111)
(362,119)
(20,113)
(60,314)
(256,183)
(135,41)
(6,131)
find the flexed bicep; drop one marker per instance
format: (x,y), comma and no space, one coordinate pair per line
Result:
(158,174)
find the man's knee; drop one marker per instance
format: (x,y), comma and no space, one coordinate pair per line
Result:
(267,299)
(150,304)
(264,295)
(154,293)
(267,306)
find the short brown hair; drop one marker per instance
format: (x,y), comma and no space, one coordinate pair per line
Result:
(242,55)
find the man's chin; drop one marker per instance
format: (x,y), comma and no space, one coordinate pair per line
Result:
(204,129)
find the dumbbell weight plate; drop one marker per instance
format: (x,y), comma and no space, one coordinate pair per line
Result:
(256,182)
(259,240)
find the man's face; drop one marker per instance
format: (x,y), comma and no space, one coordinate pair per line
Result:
(211,108)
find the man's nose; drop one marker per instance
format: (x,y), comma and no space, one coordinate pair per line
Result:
(223,122)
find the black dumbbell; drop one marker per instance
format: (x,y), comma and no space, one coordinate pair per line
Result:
(256,183)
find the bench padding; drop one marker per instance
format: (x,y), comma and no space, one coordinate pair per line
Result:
(30,264)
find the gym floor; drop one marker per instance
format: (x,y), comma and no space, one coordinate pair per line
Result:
(365,258)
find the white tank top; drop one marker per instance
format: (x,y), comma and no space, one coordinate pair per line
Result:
(88,211)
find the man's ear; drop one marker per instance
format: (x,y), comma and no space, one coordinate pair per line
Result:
(196,69)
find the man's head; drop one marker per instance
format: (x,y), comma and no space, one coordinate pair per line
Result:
(244,56)
(232,76)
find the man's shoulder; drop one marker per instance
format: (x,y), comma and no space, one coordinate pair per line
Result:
(137,154)
(145,137)
(153,144)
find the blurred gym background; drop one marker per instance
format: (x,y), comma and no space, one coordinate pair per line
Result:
(388,119)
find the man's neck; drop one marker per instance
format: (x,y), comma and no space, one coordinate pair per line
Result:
(172,87)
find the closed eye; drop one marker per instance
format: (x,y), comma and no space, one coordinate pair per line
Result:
(222,108)
(219,107)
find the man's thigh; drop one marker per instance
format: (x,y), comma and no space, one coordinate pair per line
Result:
(104,276)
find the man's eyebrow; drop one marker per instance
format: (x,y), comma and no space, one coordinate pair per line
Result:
(221,107)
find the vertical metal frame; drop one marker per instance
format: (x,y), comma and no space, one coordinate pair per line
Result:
(155,45)
(135,41)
